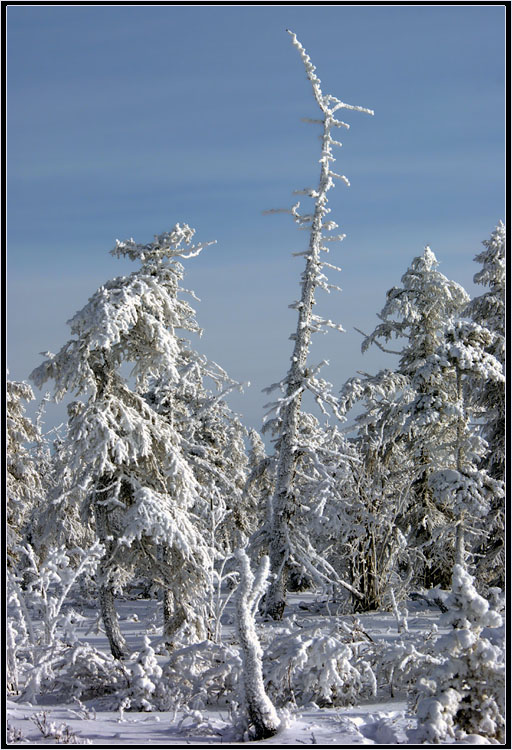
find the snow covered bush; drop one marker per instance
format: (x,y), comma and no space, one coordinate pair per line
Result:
(310,665)
(199,675)
(40,624)
(84,672)
(62,733)
(145,673)
(465,694)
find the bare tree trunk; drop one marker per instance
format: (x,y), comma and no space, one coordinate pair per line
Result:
(174,617)
(460,552)
(110,619)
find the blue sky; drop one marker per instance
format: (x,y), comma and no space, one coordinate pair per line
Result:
(123,120)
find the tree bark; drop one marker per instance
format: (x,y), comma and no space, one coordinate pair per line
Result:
(118,646)
(174,617)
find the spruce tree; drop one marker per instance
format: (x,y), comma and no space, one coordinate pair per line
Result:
(125,461)
(489,400)
(24,480)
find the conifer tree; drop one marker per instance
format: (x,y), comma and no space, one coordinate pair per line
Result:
(212,443)
(489,400)
(418,425)
(418,313)
(125,462)
(24,483)
(376,548)
(464,696)
(301,377)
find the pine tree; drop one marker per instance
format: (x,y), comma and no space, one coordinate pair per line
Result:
(24,482)
(488,310)
(464,489)
(465,694)
(212,443)
(424,420)
(376,548)
(300,377)
(125,461)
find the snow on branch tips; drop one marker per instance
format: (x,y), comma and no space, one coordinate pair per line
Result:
(176,243)
(289,407)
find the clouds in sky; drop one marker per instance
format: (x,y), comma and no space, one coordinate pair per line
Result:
(123,120)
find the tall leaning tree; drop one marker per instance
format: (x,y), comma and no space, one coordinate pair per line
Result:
(299,376)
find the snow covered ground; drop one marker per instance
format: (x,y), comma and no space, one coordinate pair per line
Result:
(373,723)
(381,720)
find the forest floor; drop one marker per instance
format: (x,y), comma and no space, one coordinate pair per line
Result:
(383,720)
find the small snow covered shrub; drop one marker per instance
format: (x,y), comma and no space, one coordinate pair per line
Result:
(465,694)
(145,674)
(199,675)
(83,672)
(44,653)
(63,734)
(309,664)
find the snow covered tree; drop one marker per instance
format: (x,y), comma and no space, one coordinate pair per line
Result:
(299,376)
(125,461)
(465,694)
(261,714)
(488,310)
(424,418)
(375,547)
(212,440)
(261,477)
(212,443)
(461,487)
(24,483)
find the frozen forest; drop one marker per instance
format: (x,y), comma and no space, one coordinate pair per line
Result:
(172,578)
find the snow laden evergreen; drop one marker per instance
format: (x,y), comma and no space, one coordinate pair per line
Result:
(24,483)
(212,443)
(419,422)
(489,399)
(463,697)
(460,487)
(300,377)
(125,461)
(374,549)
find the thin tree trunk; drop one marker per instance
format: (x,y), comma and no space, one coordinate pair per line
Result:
(118,645)
(460,552)
(261,712)
(174,617)
(283,500)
